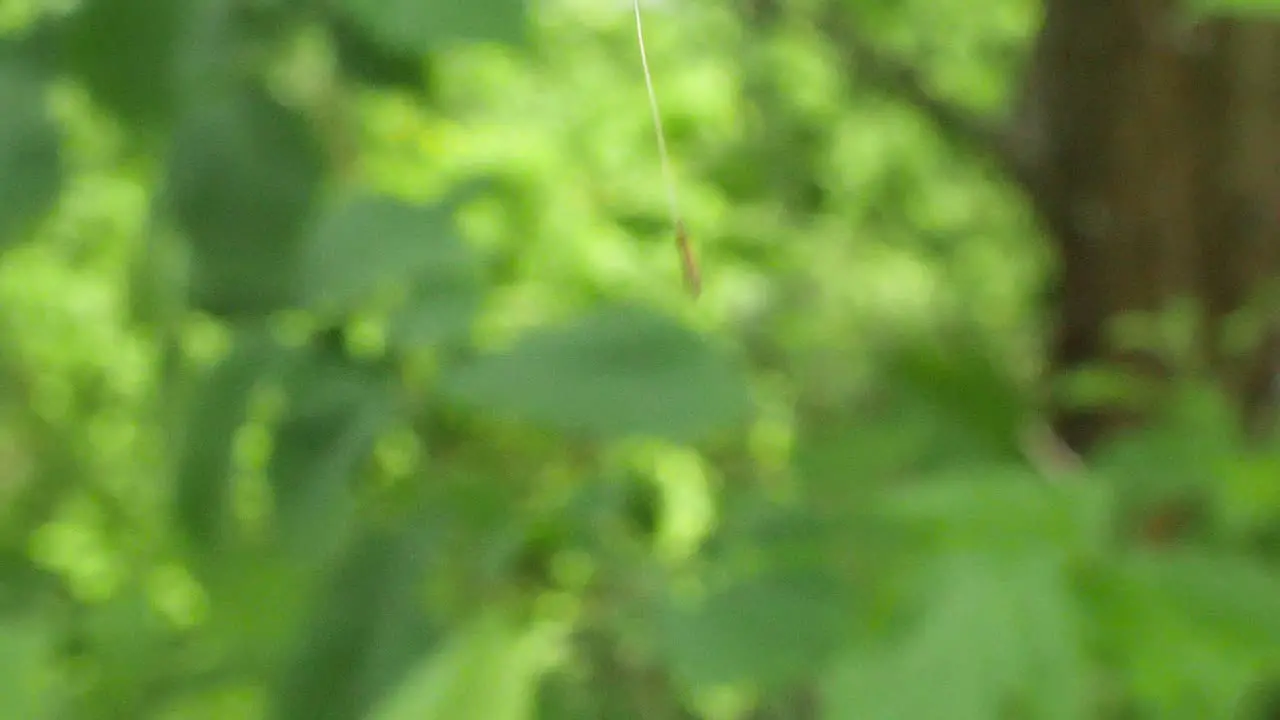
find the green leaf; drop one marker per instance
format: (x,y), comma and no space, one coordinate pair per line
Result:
(994,636)
(1187,448)
(334,416)
(124,51)
(440,308)
(767,631)
(130,641)
(615,373)
(218,406)
(243,175)
(491,669)
(1002,509)
(1192,631)
(365,245)
(368,630)
(969,388)
(22,582)
(30,156)
(366,60)
(26,668)
(1233,596)
(414,26)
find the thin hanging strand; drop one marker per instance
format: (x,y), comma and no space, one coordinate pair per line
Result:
(688,262)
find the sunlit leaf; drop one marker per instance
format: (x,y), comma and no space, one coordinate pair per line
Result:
(615,373)
(490,669)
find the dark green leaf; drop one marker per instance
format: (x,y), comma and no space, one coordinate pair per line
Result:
(22,583)
(615,373)
(218,406)
(369,628)
(242,179)
(768,631)
(969,388)
(410,26)
(334,415)
(366,60)
(125,52)
(30,157)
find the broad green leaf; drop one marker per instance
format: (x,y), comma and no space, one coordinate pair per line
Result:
(366,245)
(767,631)
(27,668)
(369,628)
(995,635)
(241,182)
(334,414)
(490,669)
(413,26)
(218,405)
(615,373)
(30,157)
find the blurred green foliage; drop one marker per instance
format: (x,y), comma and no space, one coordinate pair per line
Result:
(348,374)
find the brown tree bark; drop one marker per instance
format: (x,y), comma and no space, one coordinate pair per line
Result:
(1152,149)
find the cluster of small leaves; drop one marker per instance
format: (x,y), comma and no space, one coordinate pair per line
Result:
(369,513)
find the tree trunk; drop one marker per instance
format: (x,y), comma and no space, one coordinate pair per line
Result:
(1153,148)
